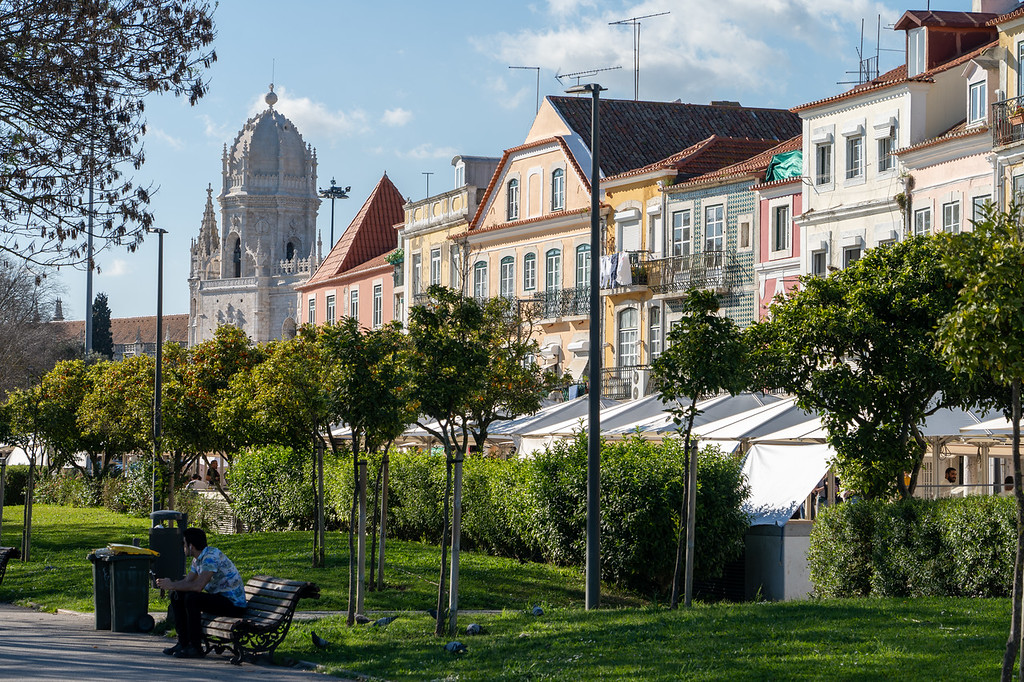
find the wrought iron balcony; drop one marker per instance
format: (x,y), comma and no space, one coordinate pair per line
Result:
(705,270)
(557,303)
(1007,122)
(626,383)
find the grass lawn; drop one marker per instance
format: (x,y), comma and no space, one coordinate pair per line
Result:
(920,639)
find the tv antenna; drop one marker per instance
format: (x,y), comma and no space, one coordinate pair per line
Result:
(867,69)
(532,68)
(635,22)
(583,74)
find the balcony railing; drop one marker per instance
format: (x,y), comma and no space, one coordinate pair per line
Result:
(556,303)
(705,270)
(625,383)
(1007,122)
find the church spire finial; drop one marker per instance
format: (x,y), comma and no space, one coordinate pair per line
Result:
(271,98)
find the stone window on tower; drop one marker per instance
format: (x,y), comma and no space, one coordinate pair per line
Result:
(289,251)
(236,259)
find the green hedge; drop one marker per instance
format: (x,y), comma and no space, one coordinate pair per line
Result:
(67,488)
(15,480)
(953,547)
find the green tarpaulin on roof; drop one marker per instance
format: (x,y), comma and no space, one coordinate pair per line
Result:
(785,165)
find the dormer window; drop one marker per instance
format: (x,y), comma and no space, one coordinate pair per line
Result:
(915,52)
(977,104)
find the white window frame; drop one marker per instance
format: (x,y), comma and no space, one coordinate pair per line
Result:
(819,263)
(886,158)
(916,51)
(353,303)
(852,254)
(455,263)
(977,102)
(823,163)
(435,266)
(781,236)
(978,204)
(583,265)
(855,157)
(714,228)
(378,306)
(311,318)
(558,189)
(480,280)
(416,273)
(507,277)
(530,272)
(923,221)
(682,232)
(654,331)
(512,194)
(331,308)
(629,338)
(951,217)
(553,269)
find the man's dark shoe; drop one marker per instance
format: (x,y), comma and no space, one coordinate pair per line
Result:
(171,650)
(189,652)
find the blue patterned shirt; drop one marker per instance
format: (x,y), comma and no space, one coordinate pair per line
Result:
(226,579)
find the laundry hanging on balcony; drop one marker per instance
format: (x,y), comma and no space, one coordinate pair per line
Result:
(616,270)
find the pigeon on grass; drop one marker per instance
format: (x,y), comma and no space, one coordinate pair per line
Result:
(455,648)
(537,611)
(383,622)
(475,629)
(319,642)
(361,619)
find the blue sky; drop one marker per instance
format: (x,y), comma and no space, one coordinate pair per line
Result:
(402,87)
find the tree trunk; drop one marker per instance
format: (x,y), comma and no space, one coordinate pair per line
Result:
(351,615)
(681,539)
(691,524)
(26,532)
(383,517)
(439,626)
(1014,640)
(372,581)
(361,579)
(453,593)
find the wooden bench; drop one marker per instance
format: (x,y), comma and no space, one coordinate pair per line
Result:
(270,606)
(6,554)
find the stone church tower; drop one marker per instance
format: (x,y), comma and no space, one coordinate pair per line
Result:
(243,272)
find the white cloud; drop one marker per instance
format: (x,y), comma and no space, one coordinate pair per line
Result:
(707,51)
(313,119)
(169,140)
(397,117)
(117,268)
(214,130)
(429,151)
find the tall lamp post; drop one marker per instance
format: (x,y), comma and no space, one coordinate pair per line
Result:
(334,192)
(593,591)
(158,383)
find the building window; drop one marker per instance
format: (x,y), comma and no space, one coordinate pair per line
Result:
(655,332)
(236,258)
(951,217)
(629,333)
(915,51)
(923,222)
(507,277)
(850,256)
(378,305)
(854,157)
(886,161)
(480,280)
(435,266)
(714,227)
(558,190)
(289,251)
(455,263)
(460,175)
(417,272)
(823,164)
(681,233)
(744,234)
(513,200)
(780,228)
(399,307)
(553,270)
(1020,71)
(583,265)
(978,102)
(330,309)
(819,264)
(312,311)
(353,304)
(978,205)
(529,272)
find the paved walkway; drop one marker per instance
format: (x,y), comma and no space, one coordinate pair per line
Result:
(65,646)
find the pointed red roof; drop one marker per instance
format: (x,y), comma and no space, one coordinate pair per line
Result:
(370,234)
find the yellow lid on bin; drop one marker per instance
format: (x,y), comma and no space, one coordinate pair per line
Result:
(130,549)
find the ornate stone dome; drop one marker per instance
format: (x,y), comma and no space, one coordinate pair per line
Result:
(269,156)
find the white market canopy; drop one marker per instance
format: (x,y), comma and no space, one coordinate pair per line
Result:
(780,478)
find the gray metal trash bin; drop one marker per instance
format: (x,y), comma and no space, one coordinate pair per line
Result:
(166,537)
(121,591)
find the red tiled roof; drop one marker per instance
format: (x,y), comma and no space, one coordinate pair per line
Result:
(959,131)
(377,263)
(636,134)
(1013,14)
(707,155)
(751,165)
(126,330)
(370,234)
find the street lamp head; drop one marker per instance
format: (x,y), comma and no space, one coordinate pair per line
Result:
(156,230)
(334,192)
(581,88)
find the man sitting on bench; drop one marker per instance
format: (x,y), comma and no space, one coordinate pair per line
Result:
(224,593)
